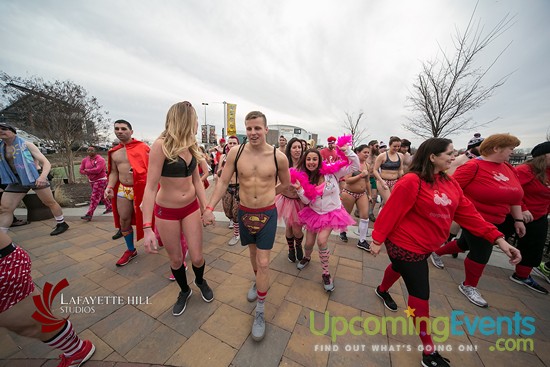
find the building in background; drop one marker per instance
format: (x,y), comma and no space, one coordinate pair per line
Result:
(289,132)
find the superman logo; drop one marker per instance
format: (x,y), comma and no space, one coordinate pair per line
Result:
(254,222)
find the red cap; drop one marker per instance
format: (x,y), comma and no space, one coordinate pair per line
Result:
(331,139)
(222,140)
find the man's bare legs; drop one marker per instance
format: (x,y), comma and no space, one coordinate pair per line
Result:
(260,264)
(9,202)
(125,209)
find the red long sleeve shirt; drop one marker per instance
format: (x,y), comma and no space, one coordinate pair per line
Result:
(492,187)
(418,215)
(536,196)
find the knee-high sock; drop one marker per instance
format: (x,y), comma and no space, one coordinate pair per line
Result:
(290,242)
(422,310)
(236,230)
(128,234)
(390,277)
(473,272)
(298,241)
(363,229)
(323,256)
(523,271)
(181,278)
(199,272)
(66,340)
(449,248)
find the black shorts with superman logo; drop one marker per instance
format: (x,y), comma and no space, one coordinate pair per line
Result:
(258,226)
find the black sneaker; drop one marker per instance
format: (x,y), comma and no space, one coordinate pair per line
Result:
(434,360)
(299,253)
(364,245)
(181,303)
(59,228)
(206,292)
(388,301)
(86,217)
(344,237)
(530,283)
(117,235)
(291,255)
(372,218)
(455,256)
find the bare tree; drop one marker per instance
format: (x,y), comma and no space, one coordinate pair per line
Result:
(450,87)
(352,125)
(60,112)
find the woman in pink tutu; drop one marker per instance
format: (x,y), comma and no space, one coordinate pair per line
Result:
(317,186)
(289,204)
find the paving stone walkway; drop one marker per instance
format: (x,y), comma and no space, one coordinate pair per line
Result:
(138,328)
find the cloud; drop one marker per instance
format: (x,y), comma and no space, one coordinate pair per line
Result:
(301,62)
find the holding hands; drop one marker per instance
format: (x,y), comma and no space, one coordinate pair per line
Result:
(208,217)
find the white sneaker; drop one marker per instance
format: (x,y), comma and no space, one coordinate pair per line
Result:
(252,294)
(234,240)
(437,261)
(230,223)
(473,295)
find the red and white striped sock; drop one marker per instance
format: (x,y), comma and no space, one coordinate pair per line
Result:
(66,340)
(236,229)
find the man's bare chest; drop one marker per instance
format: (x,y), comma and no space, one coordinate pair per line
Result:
(119,157)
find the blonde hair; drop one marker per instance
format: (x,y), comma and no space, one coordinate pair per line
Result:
(179,131)
(497,141)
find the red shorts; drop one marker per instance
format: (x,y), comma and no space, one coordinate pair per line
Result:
(15,278)
(175,213)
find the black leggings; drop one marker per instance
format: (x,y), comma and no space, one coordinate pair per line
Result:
(532,244)
(415,274)
(480,248)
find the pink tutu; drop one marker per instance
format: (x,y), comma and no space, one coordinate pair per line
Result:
(287,209)
(338,219)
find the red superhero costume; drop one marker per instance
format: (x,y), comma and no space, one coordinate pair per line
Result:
(138,156)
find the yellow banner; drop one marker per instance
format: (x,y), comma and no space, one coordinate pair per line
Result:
(231,126)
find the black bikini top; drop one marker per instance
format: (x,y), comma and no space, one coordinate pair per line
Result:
(390,165)
(178,168)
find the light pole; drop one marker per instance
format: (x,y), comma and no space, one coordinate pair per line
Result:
(205,127)
(225,116)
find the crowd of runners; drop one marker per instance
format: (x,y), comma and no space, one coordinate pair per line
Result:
(421,205)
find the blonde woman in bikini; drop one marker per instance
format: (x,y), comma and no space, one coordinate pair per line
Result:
(357,191)
(388,168)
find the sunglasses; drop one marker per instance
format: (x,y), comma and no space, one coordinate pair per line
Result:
(3,128)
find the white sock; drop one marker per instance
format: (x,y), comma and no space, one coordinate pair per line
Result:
(60,219)
(363,229)
(4,229)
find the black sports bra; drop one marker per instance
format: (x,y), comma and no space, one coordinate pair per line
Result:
(178,168)
(390,165)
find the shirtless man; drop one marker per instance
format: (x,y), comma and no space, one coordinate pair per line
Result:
(257,166)
(282,144)
(18,162)
(374,189)
(230,199)
(127,171)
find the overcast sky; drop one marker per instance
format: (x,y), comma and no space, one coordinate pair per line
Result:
(302,63)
